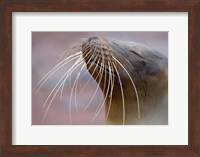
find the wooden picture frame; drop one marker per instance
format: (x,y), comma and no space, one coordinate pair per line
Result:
(8,7)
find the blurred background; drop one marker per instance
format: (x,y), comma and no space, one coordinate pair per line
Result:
(46,50)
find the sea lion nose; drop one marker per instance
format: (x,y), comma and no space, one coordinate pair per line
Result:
(93,38)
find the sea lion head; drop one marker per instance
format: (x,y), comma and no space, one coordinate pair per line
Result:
(127,72)
(142,63)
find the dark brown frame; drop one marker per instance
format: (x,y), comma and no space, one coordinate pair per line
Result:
(9,6)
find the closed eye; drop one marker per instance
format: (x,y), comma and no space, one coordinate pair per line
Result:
(137,54)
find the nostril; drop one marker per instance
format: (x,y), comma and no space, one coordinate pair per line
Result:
(92,38)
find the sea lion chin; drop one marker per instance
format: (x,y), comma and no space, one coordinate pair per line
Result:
(133,78)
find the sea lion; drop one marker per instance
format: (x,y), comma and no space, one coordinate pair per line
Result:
(133,78)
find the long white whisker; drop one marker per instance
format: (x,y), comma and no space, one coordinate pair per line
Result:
(70,76)
(122,92)
(67,73)
(125,58)
(90,76)
(95,90)
(76,80)
(104,86)
(86,48)
(73,48)
(88,79)
(52,71)
(55,93)
(97,113)
(132,84)
(110,96)
(70,99)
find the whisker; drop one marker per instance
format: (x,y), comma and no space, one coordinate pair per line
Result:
(132,84)
(53,70)
(76,80)
(70,77)
(70,99)
(90,76)
(104,86)
(86,83)
(111,91)
(97,113)
(67,73)
(122,92)
(124,58)
(73,48)
(54,94)
(100,72)
(86,48)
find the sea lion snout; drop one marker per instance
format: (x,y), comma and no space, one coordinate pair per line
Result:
(100,46)
(97,49)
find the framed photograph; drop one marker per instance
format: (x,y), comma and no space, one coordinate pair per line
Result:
(100,78)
